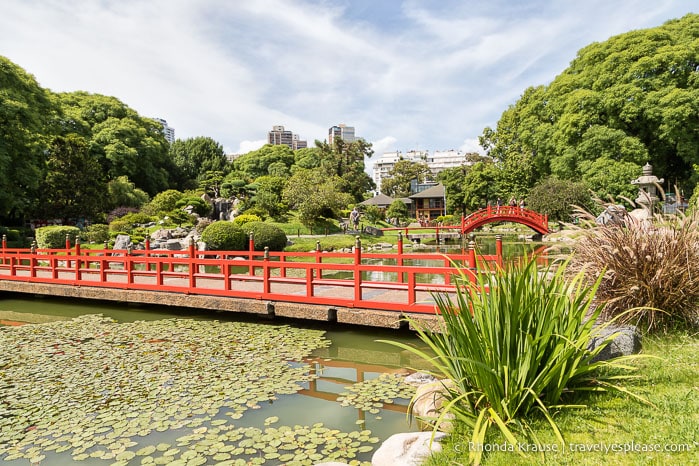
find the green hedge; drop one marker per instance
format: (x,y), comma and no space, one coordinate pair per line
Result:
(246,218)
(54,237)
(266,235)
(225,236)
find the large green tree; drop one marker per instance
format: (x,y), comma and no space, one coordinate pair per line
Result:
(194,157)
(346,161)
(403,172)
(122,141)
(73,186)
(256,163)
(26,117)
(314,195)
(631,99)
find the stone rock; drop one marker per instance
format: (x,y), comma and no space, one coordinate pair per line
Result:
(428,402)
(419,378)
(122,242)
(161,234)
(173,245)
(369,230)
(626,342)
(407,449)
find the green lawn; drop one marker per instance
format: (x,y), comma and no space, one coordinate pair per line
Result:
(670,382)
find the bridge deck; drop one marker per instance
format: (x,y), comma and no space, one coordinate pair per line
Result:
(342,287)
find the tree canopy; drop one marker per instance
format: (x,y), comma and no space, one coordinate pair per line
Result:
(629,100)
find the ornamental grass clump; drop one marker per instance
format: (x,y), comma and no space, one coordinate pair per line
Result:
(651,266)
(519,350)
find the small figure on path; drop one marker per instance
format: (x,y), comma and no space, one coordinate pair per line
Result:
(354,218)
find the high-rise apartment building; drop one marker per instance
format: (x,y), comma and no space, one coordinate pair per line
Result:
(438,161)
(279,136)
(341,131)
(168,131)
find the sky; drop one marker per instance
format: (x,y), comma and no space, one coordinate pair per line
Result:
(408,75)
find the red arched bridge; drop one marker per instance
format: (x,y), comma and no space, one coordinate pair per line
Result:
(534,220)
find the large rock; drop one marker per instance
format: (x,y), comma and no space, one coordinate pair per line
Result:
(428,402)
(407,449)
(626,341)
(122,242)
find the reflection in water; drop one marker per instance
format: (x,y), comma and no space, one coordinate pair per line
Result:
(354,356)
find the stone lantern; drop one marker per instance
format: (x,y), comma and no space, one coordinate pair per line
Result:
(647,188)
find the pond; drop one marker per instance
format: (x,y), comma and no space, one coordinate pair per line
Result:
(125,388)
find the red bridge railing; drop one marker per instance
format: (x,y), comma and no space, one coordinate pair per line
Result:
(331,278)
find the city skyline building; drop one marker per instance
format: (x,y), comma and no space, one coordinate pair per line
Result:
(437,161)
(341,131)
(280,136)
(168,131)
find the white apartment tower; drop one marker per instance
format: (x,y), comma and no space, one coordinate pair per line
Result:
(341,131)
(168,131)
(438,161)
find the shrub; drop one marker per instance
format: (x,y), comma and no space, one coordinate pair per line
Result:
(201,207)
(246,218)
(225,236)
(520,349)
(12,235)
(163,202)
(96,233)
(653,269)
(127,222)
(120,212)
(54,237)
(266,235)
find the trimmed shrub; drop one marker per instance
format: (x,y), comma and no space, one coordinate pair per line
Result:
(225,236)
(96,233)
(267,235)
(12,235)
(201,207)
(54,237)
(246,218)
(127,222)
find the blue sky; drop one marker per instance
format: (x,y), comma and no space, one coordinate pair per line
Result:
(406,74)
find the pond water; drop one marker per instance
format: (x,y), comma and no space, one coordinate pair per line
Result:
(352,356)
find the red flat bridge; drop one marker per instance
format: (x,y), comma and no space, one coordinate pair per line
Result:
(354,287)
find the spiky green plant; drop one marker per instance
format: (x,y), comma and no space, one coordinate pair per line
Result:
(519,349)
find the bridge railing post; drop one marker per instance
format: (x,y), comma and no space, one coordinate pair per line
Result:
(251,254)
(32,260)
(498,249)
(472,255)
(192,265)
(77,258)
(318,272)
(266,287)
(399,260)
(4,246)
(357,270)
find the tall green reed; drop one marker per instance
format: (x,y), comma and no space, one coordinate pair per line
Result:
(519,349)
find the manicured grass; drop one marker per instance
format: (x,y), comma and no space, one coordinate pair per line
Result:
(670,382)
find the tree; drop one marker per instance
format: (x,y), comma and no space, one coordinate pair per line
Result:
(268,196)
(631,99)
(123,142)
(346,161)
(73,186)
(556,198)
(398,210)
(163,202)
(256,163)
(123,193)
(211,183)
(314,195)
(26,113)
(610,178)
(194,157)
(397,184)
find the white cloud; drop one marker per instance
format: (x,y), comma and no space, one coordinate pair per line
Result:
(428,74)
(471,145)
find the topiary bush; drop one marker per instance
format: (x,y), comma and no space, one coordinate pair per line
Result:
(54,237)
(267,235)
(225,236)
(246,218)
(96,233)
